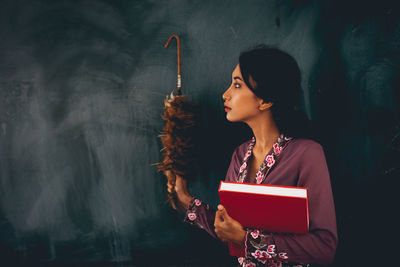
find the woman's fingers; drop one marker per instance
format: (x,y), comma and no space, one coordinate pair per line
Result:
(226,228)
(221,234)
(219,226)
(170,187)
(223,213)
(177,185)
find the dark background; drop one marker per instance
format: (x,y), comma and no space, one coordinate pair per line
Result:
(82,85)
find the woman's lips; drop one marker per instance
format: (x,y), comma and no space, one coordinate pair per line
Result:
(227,108)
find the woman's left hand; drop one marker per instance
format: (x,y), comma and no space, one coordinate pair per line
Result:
(228,229)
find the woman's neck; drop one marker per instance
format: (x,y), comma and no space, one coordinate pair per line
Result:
(265,131)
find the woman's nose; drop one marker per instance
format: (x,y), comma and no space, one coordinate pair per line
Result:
(225,95)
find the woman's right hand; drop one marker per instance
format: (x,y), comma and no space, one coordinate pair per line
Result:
(180,189)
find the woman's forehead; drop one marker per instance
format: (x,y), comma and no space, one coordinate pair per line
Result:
(236,71)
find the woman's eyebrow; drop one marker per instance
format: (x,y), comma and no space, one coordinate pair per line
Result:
(237,77)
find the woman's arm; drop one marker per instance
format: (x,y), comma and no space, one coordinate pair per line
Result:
(201,215)
(180,190)
(196,212)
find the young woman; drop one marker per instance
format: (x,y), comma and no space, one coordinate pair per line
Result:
(264,94)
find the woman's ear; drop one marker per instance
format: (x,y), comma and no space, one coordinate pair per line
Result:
(265,105)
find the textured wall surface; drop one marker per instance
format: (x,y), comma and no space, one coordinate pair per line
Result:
(82,85)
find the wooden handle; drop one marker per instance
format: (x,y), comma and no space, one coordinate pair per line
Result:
(179,85)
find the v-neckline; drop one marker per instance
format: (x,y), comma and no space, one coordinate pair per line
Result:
(267,163)
(258,167)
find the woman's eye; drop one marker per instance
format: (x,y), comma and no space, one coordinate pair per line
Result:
(236,85)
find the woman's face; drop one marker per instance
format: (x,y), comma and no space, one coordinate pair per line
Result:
(241,104)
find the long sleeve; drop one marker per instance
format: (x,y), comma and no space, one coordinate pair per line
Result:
(319,244)
(201,214)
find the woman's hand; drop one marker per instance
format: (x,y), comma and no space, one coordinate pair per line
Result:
(180,189)
(228,229)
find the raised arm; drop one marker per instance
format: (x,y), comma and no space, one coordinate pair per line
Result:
(201,214)
(196,212)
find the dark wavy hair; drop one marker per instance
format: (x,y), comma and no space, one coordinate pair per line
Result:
(275,77)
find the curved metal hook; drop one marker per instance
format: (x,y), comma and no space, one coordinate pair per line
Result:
(179,60)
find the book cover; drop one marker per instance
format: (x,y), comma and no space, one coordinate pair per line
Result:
(276,209)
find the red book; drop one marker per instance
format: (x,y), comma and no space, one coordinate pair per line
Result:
(276,209)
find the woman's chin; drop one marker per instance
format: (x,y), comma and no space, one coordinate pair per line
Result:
(229,118)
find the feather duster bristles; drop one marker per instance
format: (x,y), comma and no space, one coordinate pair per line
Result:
(178,140)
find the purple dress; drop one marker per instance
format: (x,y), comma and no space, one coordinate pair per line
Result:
(290,162)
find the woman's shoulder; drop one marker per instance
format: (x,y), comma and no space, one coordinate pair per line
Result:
(303,145)
(242,148)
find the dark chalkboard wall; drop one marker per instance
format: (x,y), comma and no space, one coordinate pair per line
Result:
(82,85)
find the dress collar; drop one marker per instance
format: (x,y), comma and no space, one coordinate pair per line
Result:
(268,162)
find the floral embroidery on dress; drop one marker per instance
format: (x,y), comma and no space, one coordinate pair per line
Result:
(192,211)
(271,250)
(277,148)
(255,234)
(197,202)
(268,162)
(282,255)
(261,256)
(249,264)
(248,154)
(192,216)
(243,167)
(261,253)
(259,177)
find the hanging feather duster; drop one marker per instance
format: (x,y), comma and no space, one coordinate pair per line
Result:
(178,138)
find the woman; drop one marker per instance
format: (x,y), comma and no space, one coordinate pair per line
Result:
(264,94)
